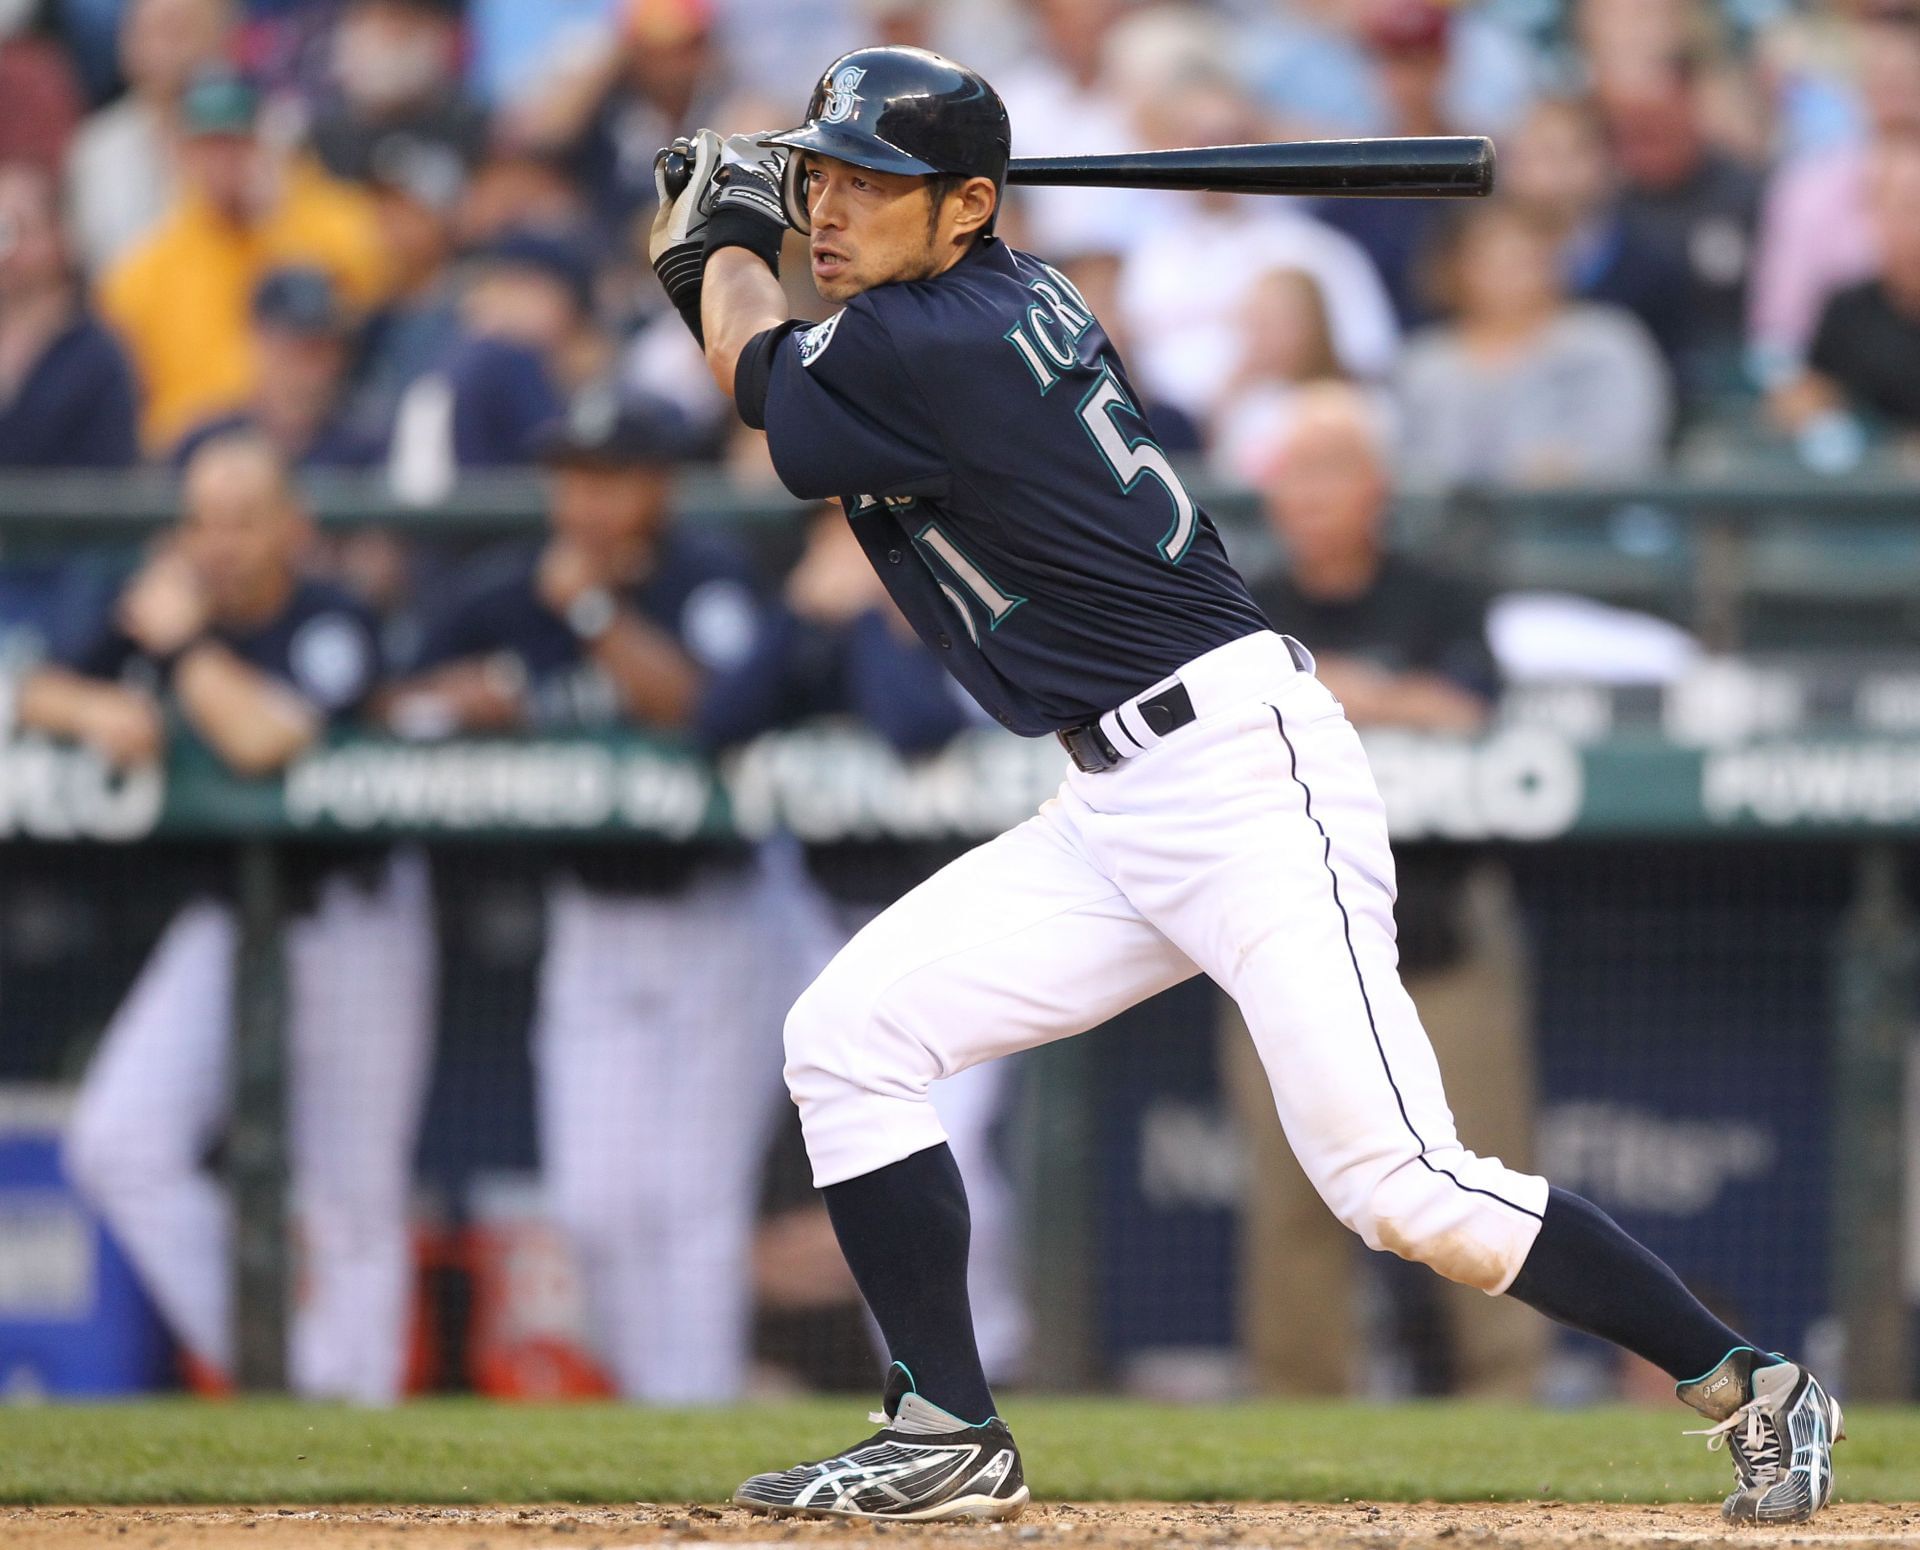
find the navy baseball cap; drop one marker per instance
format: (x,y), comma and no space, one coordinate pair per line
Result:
(219,102)
(606,428)
(559,255)
(301,300)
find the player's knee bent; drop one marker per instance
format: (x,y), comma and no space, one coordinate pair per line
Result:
(843,1040)
(819,1035)
(1414,1212)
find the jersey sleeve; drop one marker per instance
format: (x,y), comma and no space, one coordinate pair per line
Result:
(718,618)
(899,688)
(843,415)
(95,648)
(778,682)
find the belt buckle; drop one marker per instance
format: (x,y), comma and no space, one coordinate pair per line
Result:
(1089,749)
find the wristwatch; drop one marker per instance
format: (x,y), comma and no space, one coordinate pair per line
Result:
(591,614)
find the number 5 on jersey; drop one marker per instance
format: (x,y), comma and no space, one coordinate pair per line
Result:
(1133,458)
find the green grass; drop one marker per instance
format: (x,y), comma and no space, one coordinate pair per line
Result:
(462,1451)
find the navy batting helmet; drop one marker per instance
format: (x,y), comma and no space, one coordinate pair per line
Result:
(900,110)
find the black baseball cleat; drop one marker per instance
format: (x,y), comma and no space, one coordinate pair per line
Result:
(1779,1425)
(925,1466)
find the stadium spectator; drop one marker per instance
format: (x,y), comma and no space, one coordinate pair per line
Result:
(1865,356)
(1060,103)
(527,340)
(887,23)
(1817,234)
(40,102)
(303,346)
(517,187)
(1403,646)
(123,169)
(1097,277)
(659,73)
(1286,344)
(1693,203)
(1407,45)
(1558,165)
(396,70)
(1524,387)
(417,186)
(1318,65)
(181,297)
(66,391)
(1186,276)
(656,1051)
(221,628)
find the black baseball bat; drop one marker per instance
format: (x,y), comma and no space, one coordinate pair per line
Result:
(1409,167)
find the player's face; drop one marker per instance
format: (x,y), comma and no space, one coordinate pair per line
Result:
(227,169)
(300,373)
(240,531)
(869,228)
(607,510)
(1328,493)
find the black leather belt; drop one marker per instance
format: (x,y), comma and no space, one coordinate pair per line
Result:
(1093,752)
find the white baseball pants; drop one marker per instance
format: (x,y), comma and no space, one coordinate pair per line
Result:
(1250,845)
(360,1028)
(654,1056)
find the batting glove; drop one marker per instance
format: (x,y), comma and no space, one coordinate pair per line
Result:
(748,210)
(676,246)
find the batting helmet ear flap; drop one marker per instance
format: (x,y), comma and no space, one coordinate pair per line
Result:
(793,192)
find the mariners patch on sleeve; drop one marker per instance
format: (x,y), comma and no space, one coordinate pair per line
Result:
(331,660)
(814,341)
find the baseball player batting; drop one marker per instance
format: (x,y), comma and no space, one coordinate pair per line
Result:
(1218,816)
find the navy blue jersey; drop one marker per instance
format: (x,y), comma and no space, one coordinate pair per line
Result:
(994,461)
(699,591)
(77,407)
(323,645)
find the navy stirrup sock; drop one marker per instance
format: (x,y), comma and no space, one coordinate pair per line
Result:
(1585,1272)
(904,1231)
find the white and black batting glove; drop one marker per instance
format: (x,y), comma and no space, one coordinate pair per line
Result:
(683,175)
(748,210)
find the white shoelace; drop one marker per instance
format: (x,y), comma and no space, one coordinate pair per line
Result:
(1764,1460)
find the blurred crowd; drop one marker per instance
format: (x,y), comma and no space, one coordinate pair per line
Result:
(396,236)
(404,239)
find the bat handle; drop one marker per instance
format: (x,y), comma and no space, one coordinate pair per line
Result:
(675,170)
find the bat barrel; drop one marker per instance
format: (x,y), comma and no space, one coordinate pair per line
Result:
(1408,167)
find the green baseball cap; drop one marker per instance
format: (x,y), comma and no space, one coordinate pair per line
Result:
(219,102)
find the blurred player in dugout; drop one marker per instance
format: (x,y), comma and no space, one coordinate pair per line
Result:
(656,1045)
(219,637)
(1402,646)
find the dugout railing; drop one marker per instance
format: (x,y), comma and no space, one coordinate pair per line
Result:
(1819,580)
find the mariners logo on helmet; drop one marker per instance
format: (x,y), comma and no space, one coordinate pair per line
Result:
(898,110)
(840,95)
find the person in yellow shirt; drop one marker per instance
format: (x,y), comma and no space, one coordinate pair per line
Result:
(179,299)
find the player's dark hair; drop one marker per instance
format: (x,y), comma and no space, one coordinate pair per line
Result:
(939,186)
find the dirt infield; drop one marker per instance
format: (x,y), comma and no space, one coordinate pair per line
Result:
(1244,1526)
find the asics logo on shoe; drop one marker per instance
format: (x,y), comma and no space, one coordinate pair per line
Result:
(922,1467)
